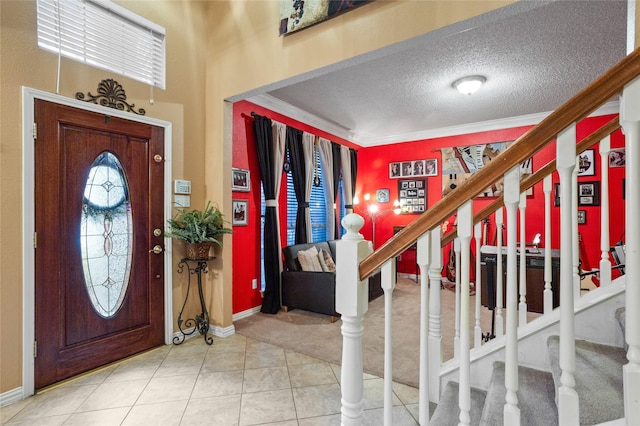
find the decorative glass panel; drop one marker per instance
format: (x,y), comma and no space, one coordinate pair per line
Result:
(106,234)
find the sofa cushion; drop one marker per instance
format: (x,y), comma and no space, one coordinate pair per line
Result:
(291,254)
(309,260)
(327,263)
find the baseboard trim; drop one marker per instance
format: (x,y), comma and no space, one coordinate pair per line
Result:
(213,329)
(9,397)
(245,314)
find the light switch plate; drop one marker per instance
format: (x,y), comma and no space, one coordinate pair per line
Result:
(182,200)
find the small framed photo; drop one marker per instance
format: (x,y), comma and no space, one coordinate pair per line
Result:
(418,168)
(586,163)
(617,157)
(582,217)
(240,209)
(241,180)
(589,193)
(394,170)
(407,168)
(431,167)
(382,196)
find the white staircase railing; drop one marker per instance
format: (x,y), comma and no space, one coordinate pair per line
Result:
(351,291)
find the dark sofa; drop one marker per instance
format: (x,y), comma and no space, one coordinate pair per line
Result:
(314,291)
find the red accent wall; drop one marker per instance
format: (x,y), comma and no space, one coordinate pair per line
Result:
(373,174)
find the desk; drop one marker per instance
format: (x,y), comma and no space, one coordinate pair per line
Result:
(200,322)
(534,276)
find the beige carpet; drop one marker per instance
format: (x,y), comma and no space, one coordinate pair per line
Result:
(314,335)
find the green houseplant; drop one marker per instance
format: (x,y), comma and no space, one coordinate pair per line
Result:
(199,229)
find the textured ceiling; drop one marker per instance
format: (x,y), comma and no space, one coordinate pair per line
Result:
(535,56)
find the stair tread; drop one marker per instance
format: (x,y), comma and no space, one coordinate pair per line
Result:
(598,377)
(447,412)
(535,397)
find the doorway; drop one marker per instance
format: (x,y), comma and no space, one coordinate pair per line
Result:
(88,329)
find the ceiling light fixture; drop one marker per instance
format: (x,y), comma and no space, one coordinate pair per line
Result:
(470,84)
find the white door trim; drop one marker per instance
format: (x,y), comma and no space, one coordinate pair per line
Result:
(29,96)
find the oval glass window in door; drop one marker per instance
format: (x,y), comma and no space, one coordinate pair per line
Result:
(106,234)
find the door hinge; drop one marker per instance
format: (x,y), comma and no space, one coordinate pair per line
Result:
(35,131)
(35,348)
(35,240)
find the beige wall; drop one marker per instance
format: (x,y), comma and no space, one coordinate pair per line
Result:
(215,49)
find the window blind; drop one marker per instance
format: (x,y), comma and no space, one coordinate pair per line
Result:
(104,35)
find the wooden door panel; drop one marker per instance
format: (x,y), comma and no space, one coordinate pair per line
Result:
(72,336)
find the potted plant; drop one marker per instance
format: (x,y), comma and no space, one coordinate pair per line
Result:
(199,229)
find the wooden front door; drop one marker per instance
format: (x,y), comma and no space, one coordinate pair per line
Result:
(99,286)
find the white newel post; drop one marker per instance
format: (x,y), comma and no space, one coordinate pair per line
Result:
(465,221)
(605,263)
(351,303)
(477,330)
(548,293)
(511,199)
(522,306)
(630,120)
(499,275)
(388,280)
(567,397)
(423,257)
(435,331)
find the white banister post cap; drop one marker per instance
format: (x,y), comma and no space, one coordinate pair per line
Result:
(353,223)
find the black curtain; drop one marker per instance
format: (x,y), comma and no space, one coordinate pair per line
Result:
(298,170)
(354,169)
(265,149)
(335,151)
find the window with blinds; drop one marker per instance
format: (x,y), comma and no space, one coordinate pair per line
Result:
(317,210)
(104,35)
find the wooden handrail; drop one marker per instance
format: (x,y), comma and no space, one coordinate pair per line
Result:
(536,177)
(580,106)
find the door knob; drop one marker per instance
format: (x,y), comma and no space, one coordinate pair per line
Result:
(157,232)
(157,249)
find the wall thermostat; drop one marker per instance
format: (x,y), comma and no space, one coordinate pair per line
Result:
(182,187)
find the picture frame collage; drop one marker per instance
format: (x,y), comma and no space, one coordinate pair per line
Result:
(412,195)
(413,168)
(240,182)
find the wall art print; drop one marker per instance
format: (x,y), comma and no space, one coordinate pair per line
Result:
(459,163)
(298,14)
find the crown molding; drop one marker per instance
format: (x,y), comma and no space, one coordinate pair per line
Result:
(367,140)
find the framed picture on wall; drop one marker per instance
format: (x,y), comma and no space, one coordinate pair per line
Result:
(240,180)
(617,157)
(586,163)
(589,193)
(240,209)
(412,196)
(582,217)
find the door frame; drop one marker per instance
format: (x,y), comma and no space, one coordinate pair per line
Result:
(29,95)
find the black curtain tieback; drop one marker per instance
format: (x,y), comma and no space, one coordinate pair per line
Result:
(303,205)
(348,206)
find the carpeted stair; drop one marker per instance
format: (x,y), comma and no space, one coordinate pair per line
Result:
(447,413)
(598,379)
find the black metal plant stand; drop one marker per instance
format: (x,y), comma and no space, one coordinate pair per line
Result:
(200,322)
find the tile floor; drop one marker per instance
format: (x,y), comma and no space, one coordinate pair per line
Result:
(236,381)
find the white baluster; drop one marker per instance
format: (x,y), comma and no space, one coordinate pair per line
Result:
(423,257)
(511,199)
(435,331)
(499,275)
(477,330)
(574,234)
(548,293)
(456,336)
(465,221)
(388,285)
(630,120)
(351,302)
(568,403)
(605,263)
(522,307)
